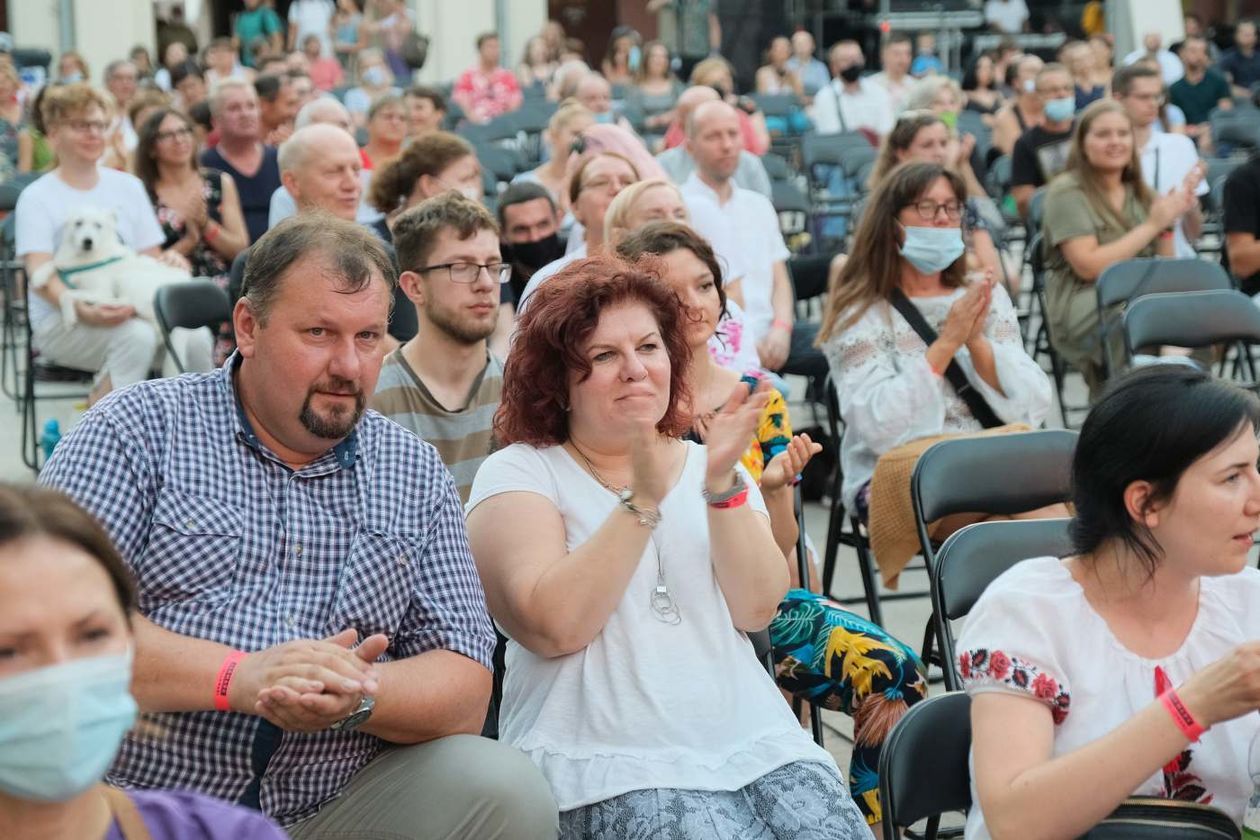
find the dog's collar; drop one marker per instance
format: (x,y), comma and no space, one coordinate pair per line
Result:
(65,273)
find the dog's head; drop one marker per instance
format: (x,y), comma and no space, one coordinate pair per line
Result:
(90,231)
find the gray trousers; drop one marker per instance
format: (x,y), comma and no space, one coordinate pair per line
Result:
(462,787)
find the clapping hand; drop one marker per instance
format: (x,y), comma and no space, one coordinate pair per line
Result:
(788,464)
(967,315)
(308,685)
(732,429)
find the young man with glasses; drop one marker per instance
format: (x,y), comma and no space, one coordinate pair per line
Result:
(444,384)
(106,339)
(1166,158)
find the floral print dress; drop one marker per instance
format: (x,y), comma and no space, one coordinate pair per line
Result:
(205,261)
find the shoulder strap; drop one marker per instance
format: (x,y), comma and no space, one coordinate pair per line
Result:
(835,91)
(975,401)
(126,814)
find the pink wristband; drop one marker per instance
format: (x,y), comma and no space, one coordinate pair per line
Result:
(224,680)
(1181,716)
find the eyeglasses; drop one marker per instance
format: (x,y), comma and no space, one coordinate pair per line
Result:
(604,182)
(469,272)
(173,134)
(86,126)
(928,209)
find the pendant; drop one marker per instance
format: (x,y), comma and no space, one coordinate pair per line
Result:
(663,606)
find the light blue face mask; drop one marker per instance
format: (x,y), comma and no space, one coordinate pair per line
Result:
(633,59)
(1060,110)
(374,76)
(60,726)
(932,249)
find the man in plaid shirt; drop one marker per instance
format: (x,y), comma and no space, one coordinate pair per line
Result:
(313,638)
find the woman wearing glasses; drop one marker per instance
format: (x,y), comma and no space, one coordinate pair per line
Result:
(1099,211)
(890,381)
(199,209)
(106,339)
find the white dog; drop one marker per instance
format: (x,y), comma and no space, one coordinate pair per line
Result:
(97,268)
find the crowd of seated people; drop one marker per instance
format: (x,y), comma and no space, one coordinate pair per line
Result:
(482,454)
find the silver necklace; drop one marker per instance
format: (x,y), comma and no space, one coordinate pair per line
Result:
(661,602)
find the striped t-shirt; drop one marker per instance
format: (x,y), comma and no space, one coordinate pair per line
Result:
(463,438)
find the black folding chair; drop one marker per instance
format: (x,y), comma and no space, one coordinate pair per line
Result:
(923,768)
(1194,319)
(973,557)
(190,305)
(996,475)
(792,205)
(1124,282)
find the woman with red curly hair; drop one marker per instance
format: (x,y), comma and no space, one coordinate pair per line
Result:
(626,567)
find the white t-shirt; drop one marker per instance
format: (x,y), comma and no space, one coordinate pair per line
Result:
(646,704)
(1170,67)
(744,232)
(869,107)
(1006,15)
(312,18)
(896,91)
(1041,639)
(1165,161)
(44,206)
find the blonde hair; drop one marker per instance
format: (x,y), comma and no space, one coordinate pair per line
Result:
(617,217)
(922,94)
(65,101)
(569,112)
(709,68)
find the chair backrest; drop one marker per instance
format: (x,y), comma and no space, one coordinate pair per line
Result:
(809,275)
(1126,280)
(776,104)
(1191,319)
(923,767)
(1036,211)
(776,166)
(191,304)
(993,474)
(973,557)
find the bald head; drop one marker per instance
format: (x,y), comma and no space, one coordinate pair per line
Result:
(595,93)
(690,98)
(324,111)
(709,113)
(320,166)
(715,142)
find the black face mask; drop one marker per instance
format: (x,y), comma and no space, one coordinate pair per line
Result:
(852,73)
(533,255)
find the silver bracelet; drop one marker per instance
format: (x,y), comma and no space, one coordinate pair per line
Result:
(651,517)
(737,486)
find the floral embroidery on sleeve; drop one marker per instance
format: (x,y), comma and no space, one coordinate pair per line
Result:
(996,667)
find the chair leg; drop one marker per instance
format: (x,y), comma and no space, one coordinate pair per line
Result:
(866,568)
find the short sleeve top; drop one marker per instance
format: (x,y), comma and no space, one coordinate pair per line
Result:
(1033,634)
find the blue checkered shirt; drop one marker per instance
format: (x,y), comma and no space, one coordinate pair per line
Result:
(229,544)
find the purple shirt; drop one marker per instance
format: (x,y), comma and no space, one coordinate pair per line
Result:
(182,815)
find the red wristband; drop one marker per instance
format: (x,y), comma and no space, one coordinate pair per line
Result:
(733,502)
(1181,716)
(224,680)
(212,231)
(779,323)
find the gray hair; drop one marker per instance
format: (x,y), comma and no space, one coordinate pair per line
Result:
(352,256)
(923,93)
(311,113)
(216,95)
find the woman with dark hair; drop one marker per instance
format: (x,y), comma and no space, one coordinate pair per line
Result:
(656,88)
(66,647)
(980,85)
(1099,211)
(432,164)
(198,208)
(623,58)
(1130,667)
(890,380)
(774,459)
(626,567)
(35,153)
(922,136)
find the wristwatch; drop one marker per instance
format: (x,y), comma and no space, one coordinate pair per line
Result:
(357,718)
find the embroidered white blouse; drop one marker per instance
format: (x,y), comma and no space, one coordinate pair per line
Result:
(1032,633)
(890,396)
